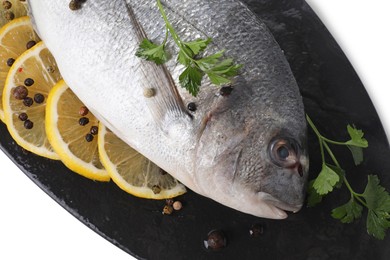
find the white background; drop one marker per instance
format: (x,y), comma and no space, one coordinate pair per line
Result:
(33,226)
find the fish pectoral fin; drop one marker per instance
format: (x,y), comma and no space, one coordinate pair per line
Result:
(162,98)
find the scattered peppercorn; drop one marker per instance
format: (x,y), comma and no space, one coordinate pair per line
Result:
(23,116)
(30,44)
(28,82)
(167,210)
(83,111)
(191,106)
(177,205)
(89,137)
(216,240)
(7,5)
(149,92)
(20,92)
(39,98)
(10,62)
(256,230)
(169,202)
(94,130)
(28,124)
(50,69)
(83,121)
(225,91)
(9,16)
(74,5)
(28,102)
(156,189)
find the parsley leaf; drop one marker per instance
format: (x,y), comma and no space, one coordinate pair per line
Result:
(152,52)
(217,69)
(313,197)
(326,180)
(357,154)
(356,137)
(348,212)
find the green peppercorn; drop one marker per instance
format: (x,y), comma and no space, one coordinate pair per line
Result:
(74,5)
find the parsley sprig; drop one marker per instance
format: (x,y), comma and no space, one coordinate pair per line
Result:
(218,70)
(375,198)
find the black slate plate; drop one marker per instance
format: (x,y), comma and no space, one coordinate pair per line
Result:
(333,96)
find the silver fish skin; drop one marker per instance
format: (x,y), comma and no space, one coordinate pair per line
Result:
(246,150)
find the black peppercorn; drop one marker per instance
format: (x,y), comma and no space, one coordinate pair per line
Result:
(191,106)
(30,44)
(28,102)
(83,111)
(256,230)
(9,16)
(89,137)
(10,62)
(83,121)
(39,98)
(94,130)
(216,240)
(23,116)
(7,5)
(28,82)
(28,124)
(225,91)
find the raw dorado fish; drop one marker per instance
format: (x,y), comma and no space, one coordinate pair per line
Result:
(246,150)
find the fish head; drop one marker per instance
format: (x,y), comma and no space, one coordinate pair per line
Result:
(253,157)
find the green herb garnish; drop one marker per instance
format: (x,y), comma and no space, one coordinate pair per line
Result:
(217,69)
(375,198)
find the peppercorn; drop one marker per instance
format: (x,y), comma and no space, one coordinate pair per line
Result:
(177,205)
(74,5)
(156,189)
(28,124)
(83,121)
(28,82)
(256,230)
(225,91)
(169,202)
(39,98)
(7,5)
(191,106)
(28,102)
(167,210)
(50,69)
(10,62)
(89,137)
(94,130)
(149,92)
(30,44)
(20,92)
(216,240)
(23,116)
(9,16)
(83,111)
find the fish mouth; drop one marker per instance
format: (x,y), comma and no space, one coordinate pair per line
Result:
(281,207)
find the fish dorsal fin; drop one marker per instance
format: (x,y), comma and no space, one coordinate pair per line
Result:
(162,98)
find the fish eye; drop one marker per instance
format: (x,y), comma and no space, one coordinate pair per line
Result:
(284,152)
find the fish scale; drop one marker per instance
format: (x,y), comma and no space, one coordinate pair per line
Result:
(227,149)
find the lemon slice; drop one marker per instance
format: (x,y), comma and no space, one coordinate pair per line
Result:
(24,104)
(11,9)
(73,136)
(14,38)
(133,172)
